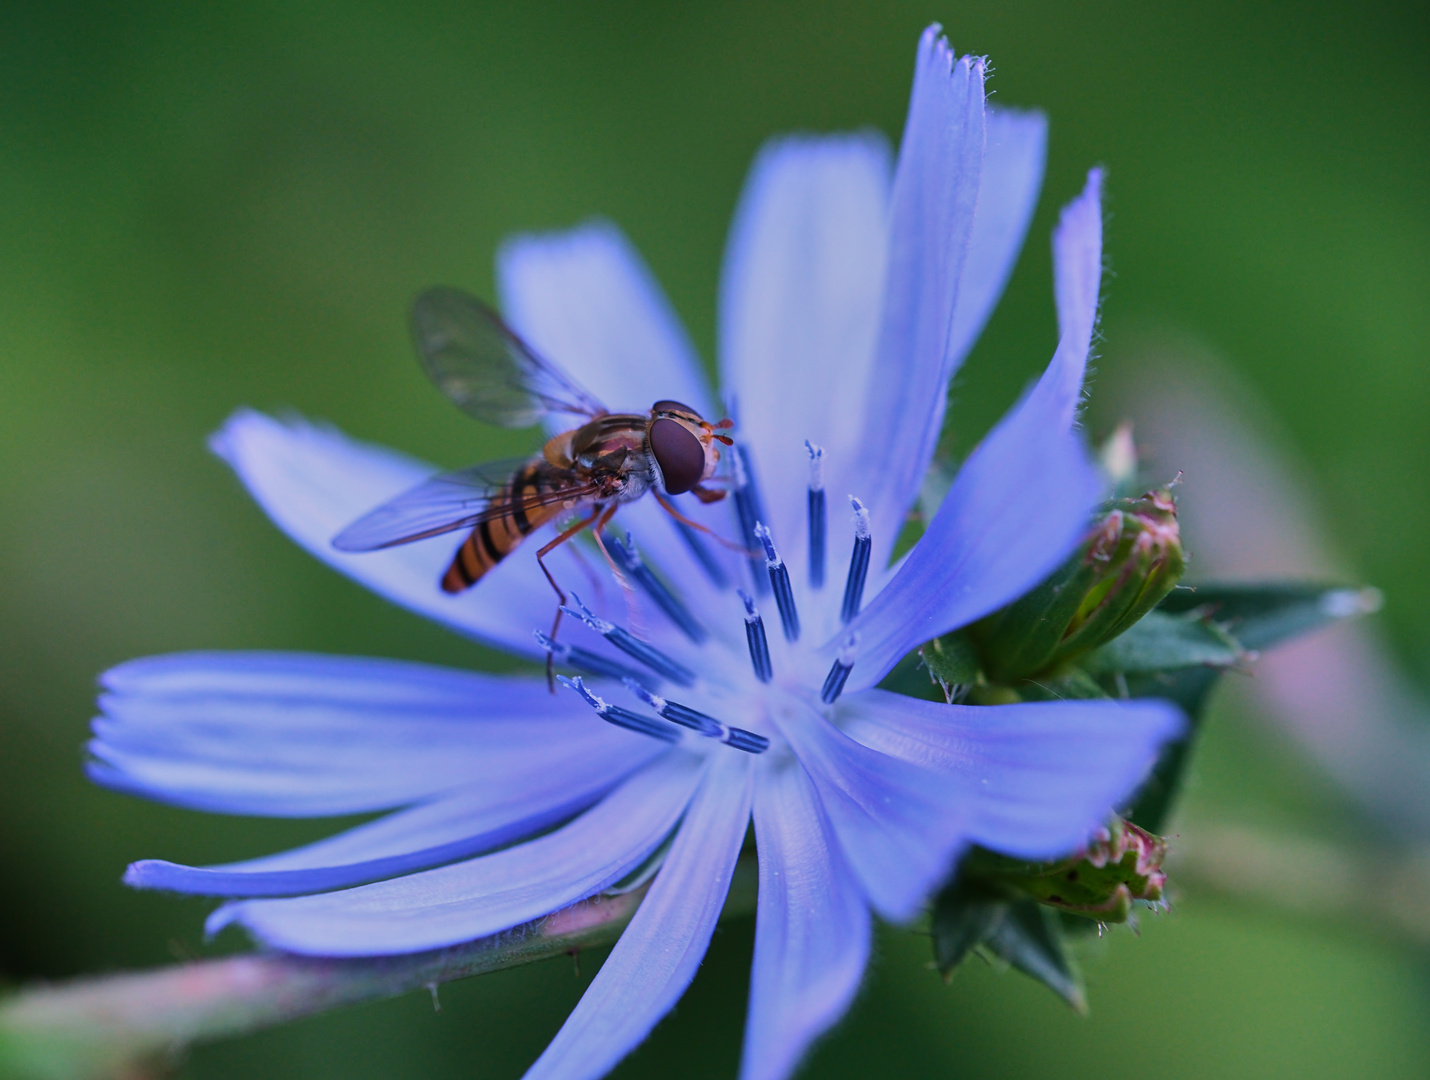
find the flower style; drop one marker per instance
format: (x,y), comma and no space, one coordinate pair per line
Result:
(848,300)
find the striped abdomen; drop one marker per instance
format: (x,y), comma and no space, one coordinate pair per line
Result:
(492,540)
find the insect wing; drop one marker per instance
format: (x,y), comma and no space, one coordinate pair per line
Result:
(483,368)
(447,502)
(439,504)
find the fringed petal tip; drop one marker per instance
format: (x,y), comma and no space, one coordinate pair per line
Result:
(147,873)
(935,53)
(300,735)
(933,205)
(1077,262)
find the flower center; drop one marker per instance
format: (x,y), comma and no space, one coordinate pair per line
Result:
(770,577)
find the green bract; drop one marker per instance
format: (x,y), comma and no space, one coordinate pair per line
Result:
(1130,560)
(1113,644)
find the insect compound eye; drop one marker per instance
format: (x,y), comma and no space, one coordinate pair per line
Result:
(678,453)
(673,406)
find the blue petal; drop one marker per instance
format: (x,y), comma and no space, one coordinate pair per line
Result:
(899,823)
(455,826)
(656,957)
(1077,276)
(1016,509)
(811,930)
(935,196)
(293,735)
(1013,161)
(1021,500)
(1037,778)
(585,301)
(799,314)
(313,481)
(493,892)
(1077,264)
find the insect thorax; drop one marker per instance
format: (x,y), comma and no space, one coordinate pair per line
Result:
(610,450)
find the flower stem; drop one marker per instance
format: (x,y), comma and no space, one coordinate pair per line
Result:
(110,1025)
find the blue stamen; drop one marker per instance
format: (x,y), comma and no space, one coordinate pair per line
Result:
(755,638)
(622,639)
(635,567)
(750,512)
(839,673)
(779,581)
(818,528)
(614,714)
(858,563)
(747,741)
(713,570)
(585,659)
(701,722)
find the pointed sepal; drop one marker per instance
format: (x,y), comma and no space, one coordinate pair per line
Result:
(1031,938)
(964,917)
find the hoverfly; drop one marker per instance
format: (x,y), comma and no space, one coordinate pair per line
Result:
(488,372)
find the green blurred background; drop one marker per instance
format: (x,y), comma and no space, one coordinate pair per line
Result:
(219,205)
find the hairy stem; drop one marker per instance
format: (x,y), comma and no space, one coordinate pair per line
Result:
(112,1025)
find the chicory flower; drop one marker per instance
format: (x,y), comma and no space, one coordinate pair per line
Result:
(849,298)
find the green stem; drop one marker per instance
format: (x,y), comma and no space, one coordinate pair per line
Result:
(108,1026)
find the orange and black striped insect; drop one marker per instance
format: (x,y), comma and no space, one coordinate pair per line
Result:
(488,372)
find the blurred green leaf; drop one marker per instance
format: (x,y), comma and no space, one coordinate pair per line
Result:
(1258,616)
(1263,615)
(1189,688)
(1162,642)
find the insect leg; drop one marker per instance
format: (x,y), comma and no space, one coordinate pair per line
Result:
(546,549)
(596,532)
(670,509)
(632,615)
(708,495)
(594,580)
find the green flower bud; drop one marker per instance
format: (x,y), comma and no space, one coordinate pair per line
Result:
(1122,864)
(1131,558)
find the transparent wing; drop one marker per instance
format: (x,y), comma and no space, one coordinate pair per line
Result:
(484,369)
(454,500)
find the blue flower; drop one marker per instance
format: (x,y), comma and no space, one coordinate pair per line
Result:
(848,300)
